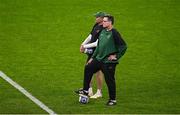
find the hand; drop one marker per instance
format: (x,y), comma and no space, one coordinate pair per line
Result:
(82,49)
(112,57)
(89,61)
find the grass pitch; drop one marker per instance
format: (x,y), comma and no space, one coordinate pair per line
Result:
(39,49)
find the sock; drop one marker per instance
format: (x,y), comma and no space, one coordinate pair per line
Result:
(90,90)
(98,91)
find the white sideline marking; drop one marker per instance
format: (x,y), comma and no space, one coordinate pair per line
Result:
(26,93)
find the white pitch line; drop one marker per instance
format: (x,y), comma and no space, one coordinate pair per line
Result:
(27,94)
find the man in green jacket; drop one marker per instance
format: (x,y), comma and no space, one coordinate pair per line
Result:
(110,48)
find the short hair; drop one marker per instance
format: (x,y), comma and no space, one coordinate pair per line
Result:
(110,18)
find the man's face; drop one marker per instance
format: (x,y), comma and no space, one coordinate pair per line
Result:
(106,23)
(99,19)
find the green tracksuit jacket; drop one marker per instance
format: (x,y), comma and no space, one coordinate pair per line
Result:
(110,42)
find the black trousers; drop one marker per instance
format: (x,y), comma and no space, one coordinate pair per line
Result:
(107,69)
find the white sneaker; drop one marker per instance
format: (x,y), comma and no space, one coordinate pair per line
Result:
(90,94)
(95,96)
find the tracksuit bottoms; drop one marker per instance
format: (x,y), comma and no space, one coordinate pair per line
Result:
(109,71)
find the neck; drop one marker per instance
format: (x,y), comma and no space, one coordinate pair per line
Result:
(109,27)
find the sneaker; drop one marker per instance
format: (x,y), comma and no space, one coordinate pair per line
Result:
(111,102)
(81,91)
(90,94)
(95,96)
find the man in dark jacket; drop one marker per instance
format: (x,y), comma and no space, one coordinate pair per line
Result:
(111,47)
(89,46)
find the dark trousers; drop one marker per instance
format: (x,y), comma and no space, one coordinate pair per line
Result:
(107,69)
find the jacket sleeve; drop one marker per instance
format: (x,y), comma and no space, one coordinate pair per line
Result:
(87,40)
(91,45)
(119,43)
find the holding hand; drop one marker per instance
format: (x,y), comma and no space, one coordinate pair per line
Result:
(90,60)
(82,49)
(112,57)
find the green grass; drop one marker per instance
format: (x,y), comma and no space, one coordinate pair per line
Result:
(39,49)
